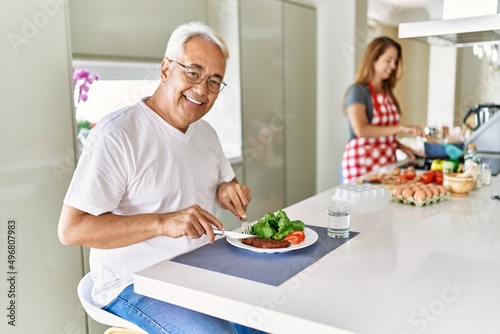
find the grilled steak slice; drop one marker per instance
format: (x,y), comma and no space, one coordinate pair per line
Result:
(266,243)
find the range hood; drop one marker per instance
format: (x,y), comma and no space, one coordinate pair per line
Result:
(456,30)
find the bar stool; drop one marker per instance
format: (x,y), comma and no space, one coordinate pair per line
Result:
(120,325)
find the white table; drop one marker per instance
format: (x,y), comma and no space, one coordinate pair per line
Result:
(432,269)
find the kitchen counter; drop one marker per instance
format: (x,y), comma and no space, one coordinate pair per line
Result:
(431,269)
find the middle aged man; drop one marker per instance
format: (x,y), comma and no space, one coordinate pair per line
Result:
(146,185)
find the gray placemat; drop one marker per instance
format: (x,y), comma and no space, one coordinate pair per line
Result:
(272,269)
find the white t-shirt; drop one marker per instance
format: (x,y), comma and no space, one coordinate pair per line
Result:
(134,162)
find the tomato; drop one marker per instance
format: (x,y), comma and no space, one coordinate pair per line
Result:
(439,178)
(427,177)
(401,179)
(292,239)
(295,237)
(298,233)
(409,175)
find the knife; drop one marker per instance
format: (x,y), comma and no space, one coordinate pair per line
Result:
(234,235)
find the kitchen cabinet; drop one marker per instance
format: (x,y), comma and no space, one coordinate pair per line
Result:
(300,102)
(262,97)
(278,53)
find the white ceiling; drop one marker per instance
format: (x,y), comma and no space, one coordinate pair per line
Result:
(409,3)
(393,12)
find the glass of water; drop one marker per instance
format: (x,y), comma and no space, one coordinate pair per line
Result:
(338,221)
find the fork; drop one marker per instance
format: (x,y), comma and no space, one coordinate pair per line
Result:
(245,226)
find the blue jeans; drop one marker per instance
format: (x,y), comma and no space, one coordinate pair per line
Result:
(155,316)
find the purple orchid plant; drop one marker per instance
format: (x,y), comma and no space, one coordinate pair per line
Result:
(82,79)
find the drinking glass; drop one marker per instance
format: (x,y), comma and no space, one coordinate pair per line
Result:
(338,223)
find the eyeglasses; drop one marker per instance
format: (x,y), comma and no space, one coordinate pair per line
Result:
(196,75)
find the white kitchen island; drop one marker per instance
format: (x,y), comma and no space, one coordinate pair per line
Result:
(431,269)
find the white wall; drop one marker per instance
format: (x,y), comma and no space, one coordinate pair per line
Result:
(475,84)
(441,93)
(36,162)
(112,29)
(342,36)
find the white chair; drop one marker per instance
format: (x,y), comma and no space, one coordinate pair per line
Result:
(120,325)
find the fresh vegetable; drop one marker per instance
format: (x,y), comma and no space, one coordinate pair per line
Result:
(295,237)
(401,178)
(438,178)
(427,177)
(409,173)
(276,226)
(437,164)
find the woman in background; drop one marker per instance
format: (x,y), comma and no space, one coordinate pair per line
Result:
(374,112)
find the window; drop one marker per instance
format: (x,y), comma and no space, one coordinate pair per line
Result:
(124,83)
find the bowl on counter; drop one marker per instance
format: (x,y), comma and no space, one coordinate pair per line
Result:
(458,184)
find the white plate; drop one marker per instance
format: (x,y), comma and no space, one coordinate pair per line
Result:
(311,237)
